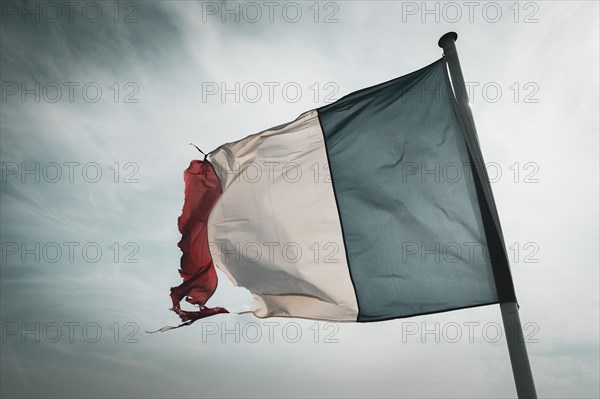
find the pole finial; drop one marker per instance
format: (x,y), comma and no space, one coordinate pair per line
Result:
(448,36)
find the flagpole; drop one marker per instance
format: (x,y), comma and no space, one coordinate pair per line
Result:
(517,350)
(510,311)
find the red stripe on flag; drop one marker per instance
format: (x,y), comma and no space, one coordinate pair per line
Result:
(202,190)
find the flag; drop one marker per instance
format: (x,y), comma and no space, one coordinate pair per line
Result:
(377,206)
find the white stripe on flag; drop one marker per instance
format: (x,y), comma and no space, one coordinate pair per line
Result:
(276,228)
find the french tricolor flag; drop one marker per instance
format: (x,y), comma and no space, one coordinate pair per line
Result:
(375,207)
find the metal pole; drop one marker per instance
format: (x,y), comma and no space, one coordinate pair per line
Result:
(447,42)
(517,351)
(510,312)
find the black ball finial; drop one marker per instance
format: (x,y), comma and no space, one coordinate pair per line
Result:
(447,36)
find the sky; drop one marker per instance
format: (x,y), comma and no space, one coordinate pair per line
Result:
(99,101)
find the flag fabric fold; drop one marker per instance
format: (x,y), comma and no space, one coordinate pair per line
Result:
(374,207)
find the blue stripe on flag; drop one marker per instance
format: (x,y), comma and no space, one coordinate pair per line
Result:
(409,208)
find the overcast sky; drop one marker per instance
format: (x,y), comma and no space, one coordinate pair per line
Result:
(99,103)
